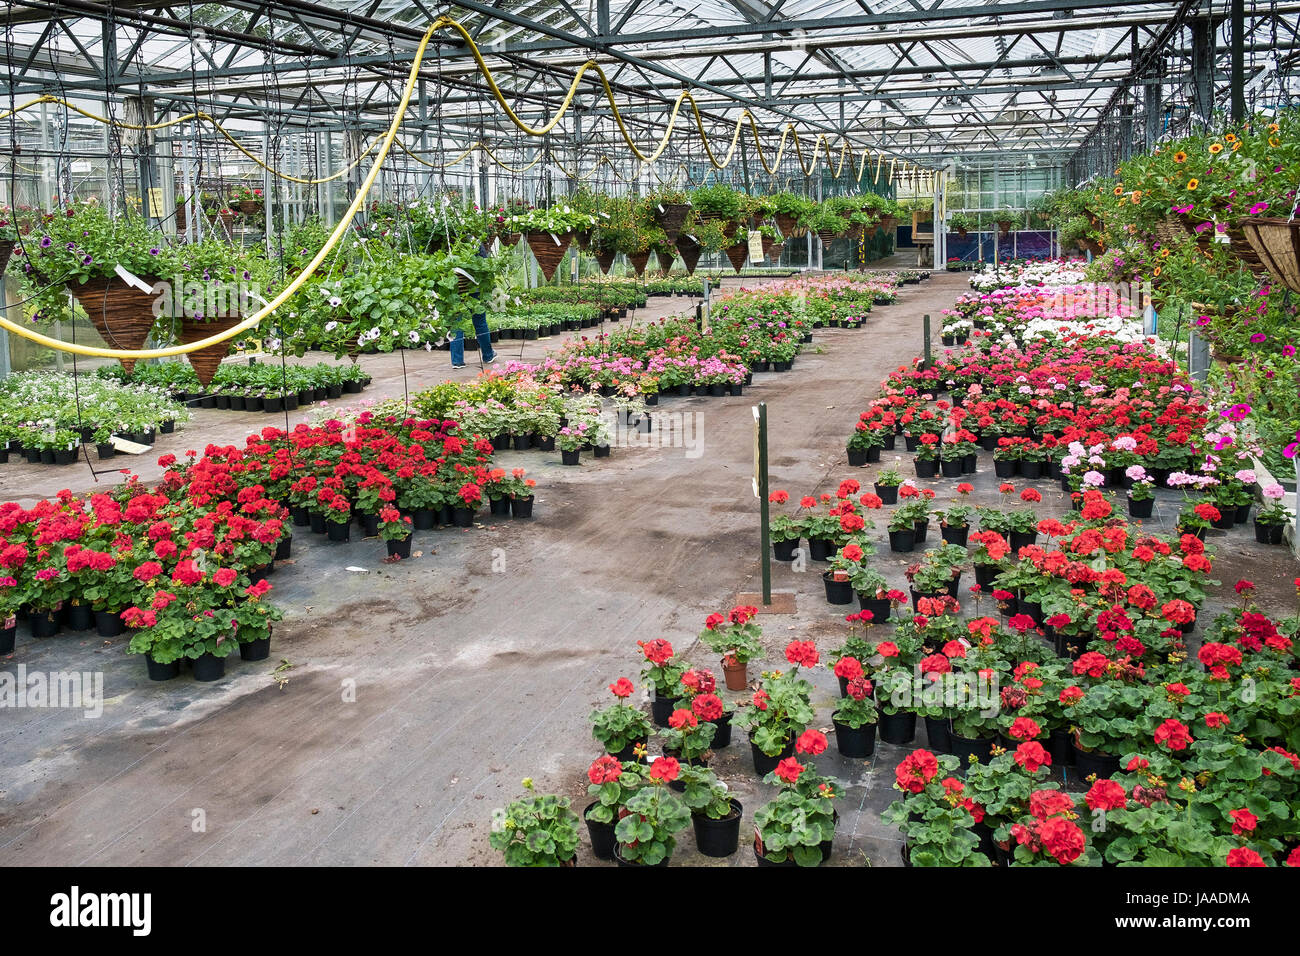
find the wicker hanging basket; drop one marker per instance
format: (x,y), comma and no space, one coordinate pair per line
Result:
(122,314)
(672,218)
(548,252)
(827,236)
(6,250)
(787,224)
(510,239)
(738,253)
(774,251)
(1244,251)
(665,261)
(690,251)
(1277,244)
(604,258)
(583,237)
(207,360)
(639,260)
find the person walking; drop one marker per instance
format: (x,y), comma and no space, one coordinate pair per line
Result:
(481,331)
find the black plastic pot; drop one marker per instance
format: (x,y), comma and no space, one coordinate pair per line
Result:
(1059,746)
(369,525)
(462,517)
(284,548)
(965,747)
(546,443)
(105,451)
(722,735)
(522,507)
(570,457)
(522,442)
(8,636)
(43,623)
(857,457)
(602,835)
(784,550)
(897,729)
(161,671)
(399,547)
(208,667)
(500,507)
(922,532)
(1268,533)
(837,592)
(927,469)
(951,467)
(1030,468)
(1243,513)
(423,519)
(1022,539)
(317,522)
(910,442)
(339,530)
(301,517)
(954,535)
(719,838)
(1141,509)
(880,608)
(602,451)
(820,549)
(888,494)
(984,575)
(108,623)
(661,708)
(1088,762)
(939,733)
(80,617)
(902,541)
(258,650)
(1004,469)
(857,743)
(763,764)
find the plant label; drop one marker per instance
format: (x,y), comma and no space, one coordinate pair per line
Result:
(130,447)
(131,279)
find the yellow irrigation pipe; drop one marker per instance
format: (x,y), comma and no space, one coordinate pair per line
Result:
(385,143)
(205,117)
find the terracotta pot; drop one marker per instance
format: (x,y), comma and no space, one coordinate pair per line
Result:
(735,675)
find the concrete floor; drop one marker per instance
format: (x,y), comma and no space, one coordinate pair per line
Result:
(419,695)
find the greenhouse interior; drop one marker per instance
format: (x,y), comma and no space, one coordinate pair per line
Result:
(731,433)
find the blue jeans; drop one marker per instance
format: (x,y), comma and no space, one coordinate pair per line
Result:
(481,332)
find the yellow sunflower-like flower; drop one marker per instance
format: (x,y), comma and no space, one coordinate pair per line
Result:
(1193,183)
(1180,157)
(1216,148)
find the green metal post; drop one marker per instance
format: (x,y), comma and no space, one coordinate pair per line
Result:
(925,326)
(765,542)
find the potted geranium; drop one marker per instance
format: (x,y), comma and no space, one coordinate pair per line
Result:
(688,739)
(954,524)
(621,727)
(779,710)
(663,673)
(395,530)
(738,637)
(1272,518)
(797,828)
(1141,492)
(537,830)
(887,482)
(839,578)
(612,784)
(715,814)
(935,816)
(654,814)
(855,714)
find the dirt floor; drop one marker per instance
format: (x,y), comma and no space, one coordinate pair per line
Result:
(404,704)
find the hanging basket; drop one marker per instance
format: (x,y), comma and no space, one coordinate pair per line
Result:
(853,233)
(738,253)
(768,243)
(1203,238)
(1089,245)
(249,207)
(510,239)
(1244,251)
(121,313)
(6,250)
(548,251)
(207,360)
(639,260)
(870,231)
(672,218)
(604,258)
(889,223)
(690,253)
(665,261)
(1277,243)
(787,224)
(827,236)
(584,239)
(774,251)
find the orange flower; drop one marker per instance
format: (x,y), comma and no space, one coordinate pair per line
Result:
(1180,157)
(1216,148)
(1192,184)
